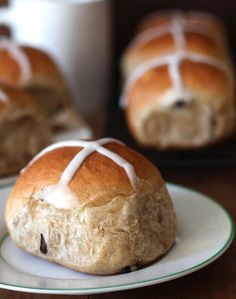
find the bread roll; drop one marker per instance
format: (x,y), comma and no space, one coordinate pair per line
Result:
(96,207)
(179,91)
(23,131)
(35,71)
(174,31)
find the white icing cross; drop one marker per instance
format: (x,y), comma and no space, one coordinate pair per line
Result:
(3,96)
(173,61)
(88,148)
(177,27)
(18,54)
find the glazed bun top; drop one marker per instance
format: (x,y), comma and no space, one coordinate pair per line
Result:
(25,66)
(185,52)
(91,173)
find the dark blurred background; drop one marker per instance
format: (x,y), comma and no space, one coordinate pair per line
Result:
(125,18)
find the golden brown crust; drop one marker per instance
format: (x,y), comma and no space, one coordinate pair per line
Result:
(45,83)
(10,70)
(195,42)
(98,177)
(211,88)
(206,92)
(44,70)
(207,42)
(201,78)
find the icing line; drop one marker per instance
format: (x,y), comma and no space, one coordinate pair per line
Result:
(88,148)
(18,54)
(156,32)
(178,27)
(173,61)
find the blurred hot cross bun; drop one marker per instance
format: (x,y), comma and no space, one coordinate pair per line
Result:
(164,33)
(37,73)
(179,89)
(23,130)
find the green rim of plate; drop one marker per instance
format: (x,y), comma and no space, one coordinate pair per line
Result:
(141,283)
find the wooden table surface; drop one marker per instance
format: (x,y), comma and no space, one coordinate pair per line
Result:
(217,280)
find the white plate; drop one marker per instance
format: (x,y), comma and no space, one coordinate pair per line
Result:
(205,230)
(83,132)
